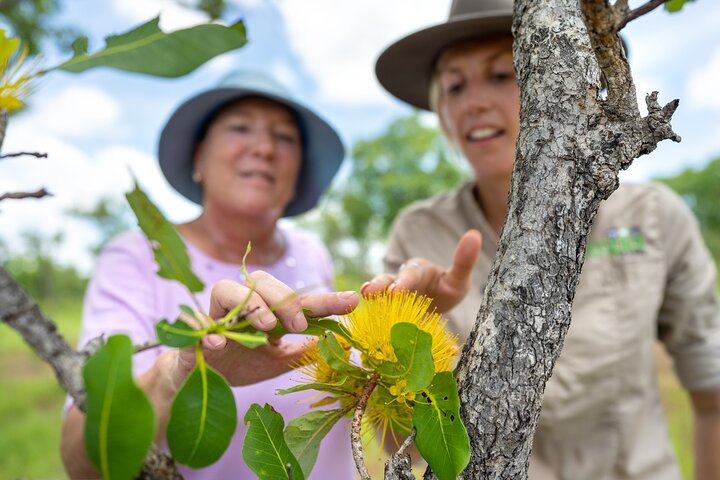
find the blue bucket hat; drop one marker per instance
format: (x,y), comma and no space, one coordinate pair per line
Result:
(322,148)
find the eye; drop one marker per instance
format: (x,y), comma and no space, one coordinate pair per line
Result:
(502,76)
(239,127)
(288,137)
(454,88)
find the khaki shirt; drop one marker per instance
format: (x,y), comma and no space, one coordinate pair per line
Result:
(647,275)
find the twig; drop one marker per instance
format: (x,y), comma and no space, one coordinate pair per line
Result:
(631,15)
(289,471)
(146,346)
(355,437)
(399,465)
(20,195)
(20,154)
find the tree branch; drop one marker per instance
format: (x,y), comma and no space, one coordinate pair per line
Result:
(20,154)
(399,465)
(20,195)
(21,313)
(355,436)
(627,15)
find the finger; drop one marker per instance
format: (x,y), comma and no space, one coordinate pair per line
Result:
(464,259)
(226,295)
(417,274)
(281,299)
(377,284)
(324,304)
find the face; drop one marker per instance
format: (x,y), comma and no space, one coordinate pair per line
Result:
(479,104)
(250,157)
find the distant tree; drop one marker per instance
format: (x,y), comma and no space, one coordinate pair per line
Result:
(699,188)
(109,216)
(407,162)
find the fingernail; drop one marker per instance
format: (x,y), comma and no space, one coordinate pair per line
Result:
(299,323)
(392,287)
(348,294)
(214,341)
(364,287)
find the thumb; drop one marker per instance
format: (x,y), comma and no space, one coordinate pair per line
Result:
(466,255)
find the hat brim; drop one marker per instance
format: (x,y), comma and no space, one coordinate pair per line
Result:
(405,68)
(323,150)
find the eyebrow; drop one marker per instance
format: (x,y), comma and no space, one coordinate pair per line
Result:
(489,59)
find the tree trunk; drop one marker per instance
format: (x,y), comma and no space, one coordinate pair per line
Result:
(573,142)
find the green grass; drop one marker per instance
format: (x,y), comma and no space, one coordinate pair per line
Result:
(31,403)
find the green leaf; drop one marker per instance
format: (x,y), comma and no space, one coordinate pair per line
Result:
(441,436)
(333,353)
(337,387)
(203,418)
(317,327)
(675,5)
(80,45)
(178,334)
(149,50)
(120,423)
(413,349)
(303,435)
(265,450)
(247,339)
(169,249)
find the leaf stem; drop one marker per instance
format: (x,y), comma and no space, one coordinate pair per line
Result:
(355,437)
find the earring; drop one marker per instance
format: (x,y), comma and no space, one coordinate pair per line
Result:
(197,177)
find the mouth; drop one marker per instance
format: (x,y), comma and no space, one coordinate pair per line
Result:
(257,175)
(481,134)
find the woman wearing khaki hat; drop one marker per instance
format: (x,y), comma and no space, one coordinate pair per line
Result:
(647,274)
(249,154)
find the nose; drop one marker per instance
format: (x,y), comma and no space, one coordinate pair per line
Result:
(478,96)
(264,144)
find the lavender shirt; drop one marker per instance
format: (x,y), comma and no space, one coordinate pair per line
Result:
(126,296)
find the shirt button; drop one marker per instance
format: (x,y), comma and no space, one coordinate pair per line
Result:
(290,261)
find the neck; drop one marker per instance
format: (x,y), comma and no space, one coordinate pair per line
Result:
(492,197)
(225,238)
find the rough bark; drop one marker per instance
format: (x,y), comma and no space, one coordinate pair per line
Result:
(573,142)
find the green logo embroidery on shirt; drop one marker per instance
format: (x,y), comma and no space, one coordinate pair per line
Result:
(619,241)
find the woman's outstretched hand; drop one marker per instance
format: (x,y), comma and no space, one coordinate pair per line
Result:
(446,287)
(270,301)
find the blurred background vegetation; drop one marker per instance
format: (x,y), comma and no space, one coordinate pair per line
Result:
(407,162)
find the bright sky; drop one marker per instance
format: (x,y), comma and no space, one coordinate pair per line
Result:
(99,125)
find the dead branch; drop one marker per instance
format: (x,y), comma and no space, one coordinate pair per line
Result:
(21,154)
(625,15)
(20,195)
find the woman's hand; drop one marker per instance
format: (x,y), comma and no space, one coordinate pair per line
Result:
(446,287)
(270,301)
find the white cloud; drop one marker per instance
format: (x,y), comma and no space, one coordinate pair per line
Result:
(702,86)
(74,112)
(338,42)
(172,16)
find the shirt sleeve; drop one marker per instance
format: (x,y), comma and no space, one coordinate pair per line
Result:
(689,317)
(120,298)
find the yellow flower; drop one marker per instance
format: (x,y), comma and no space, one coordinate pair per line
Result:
(315,367)
(14,84)
(370,324)
(386,412)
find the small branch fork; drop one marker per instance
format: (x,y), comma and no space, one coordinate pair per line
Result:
(399,465)
(625,15)
(20,195)
(355,436)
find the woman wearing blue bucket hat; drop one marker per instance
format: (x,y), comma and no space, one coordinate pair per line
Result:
(249,154)
(647,275)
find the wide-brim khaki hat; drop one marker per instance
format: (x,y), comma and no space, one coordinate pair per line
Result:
(323,151)
(405,68)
